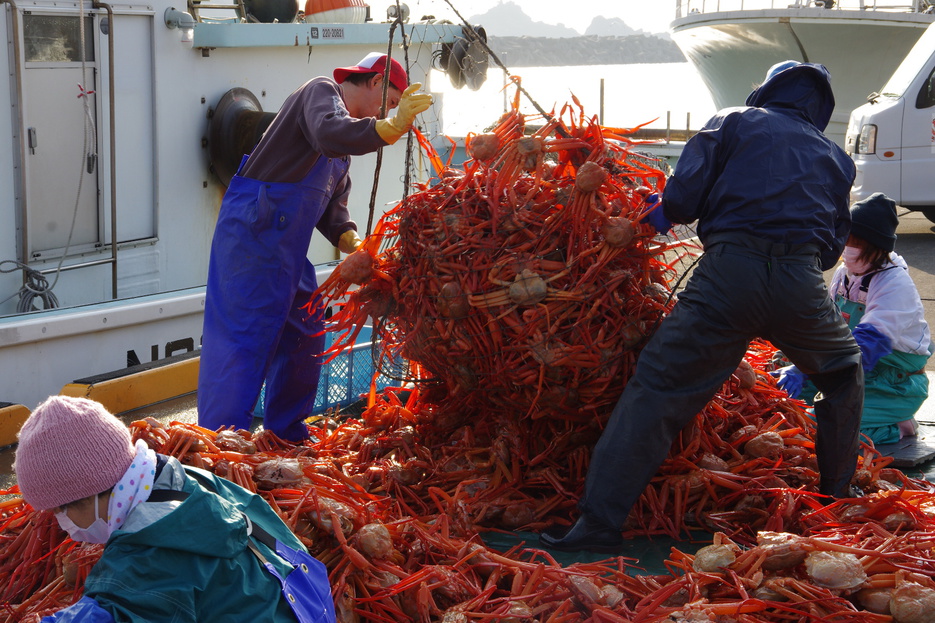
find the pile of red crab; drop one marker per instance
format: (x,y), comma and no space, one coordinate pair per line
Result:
(396,506)
(523,282)
(521,298)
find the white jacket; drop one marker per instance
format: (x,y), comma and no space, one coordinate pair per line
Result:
(892,302)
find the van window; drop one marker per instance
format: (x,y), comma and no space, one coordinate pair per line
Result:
(926,95)
(912,65)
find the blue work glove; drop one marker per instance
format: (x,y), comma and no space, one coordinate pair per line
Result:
(874,346)
(85,610)
(791,379)
(655,216)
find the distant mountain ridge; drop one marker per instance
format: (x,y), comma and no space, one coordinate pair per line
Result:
(507,19)
(519,41)
(610,27)
(587,50)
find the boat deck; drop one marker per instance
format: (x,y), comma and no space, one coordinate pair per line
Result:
(914,455)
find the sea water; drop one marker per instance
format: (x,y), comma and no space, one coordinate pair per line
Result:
(654,94)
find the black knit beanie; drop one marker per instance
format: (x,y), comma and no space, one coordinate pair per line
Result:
(874,220)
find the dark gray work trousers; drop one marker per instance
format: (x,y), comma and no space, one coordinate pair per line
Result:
(742,288)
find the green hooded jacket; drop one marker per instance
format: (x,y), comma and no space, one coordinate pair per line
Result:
(187,561)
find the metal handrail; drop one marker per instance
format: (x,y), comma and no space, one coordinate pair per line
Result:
(18,80)
(18,128)
(195,7)
(684,8)
(111,89)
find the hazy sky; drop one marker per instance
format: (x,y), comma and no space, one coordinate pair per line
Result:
(648,15)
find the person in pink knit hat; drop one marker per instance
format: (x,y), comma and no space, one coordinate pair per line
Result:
(180,543)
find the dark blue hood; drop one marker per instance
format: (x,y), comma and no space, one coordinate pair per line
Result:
(805,87)
(766,169)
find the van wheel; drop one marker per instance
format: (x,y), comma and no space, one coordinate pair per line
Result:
(929,213)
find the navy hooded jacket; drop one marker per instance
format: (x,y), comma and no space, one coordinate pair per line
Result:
(766,169)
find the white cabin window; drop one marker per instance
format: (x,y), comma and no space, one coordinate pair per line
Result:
(56,39)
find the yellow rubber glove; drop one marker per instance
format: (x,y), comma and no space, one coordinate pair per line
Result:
(349,241)
(410,105)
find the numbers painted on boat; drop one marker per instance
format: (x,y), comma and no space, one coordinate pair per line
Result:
(332,32)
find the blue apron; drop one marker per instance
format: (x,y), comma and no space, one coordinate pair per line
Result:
(258,280)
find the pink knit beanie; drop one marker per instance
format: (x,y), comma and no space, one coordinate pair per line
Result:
(70,449)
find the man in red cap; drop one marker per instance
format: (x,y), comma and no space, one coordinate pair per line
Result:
(259,277)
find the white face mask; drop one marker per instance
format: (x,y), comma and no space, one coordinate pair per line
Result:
(854,265)
(97,532)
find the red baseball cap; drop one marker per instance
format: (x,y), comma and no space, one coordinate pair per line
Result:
(375,63)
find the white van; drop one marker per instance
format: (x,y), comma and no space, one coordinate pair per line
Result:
(892,137)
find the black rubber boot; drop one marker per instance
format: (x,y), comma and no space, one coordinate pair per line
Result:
(588,533)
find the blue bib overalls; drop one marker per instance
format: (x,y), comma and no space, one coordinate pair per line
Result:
(259,279)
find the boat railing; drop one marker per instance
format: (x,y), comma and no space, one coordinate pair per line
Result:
(234,12)
(684,8)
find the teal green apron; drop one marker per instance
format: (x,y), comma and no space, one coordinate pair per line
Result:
(893,391)
(895,388)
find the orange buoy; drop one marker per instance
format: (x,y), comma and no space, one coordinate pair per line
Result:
(336,11)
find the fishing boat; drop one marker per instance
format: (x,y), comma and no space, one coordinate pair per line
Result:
(127,121)
(732,43)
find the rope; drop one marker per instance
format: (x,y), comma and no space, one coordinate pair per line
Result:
(387,71)
(470,33)
(386,85)
(407,175)
(36,286)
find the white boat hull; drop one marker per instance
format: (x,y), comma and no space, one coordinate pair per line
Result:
(732,50)
(42,353)
(131,286)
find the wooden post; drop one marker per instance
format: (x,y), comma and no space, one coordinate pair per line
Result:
(600,117)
